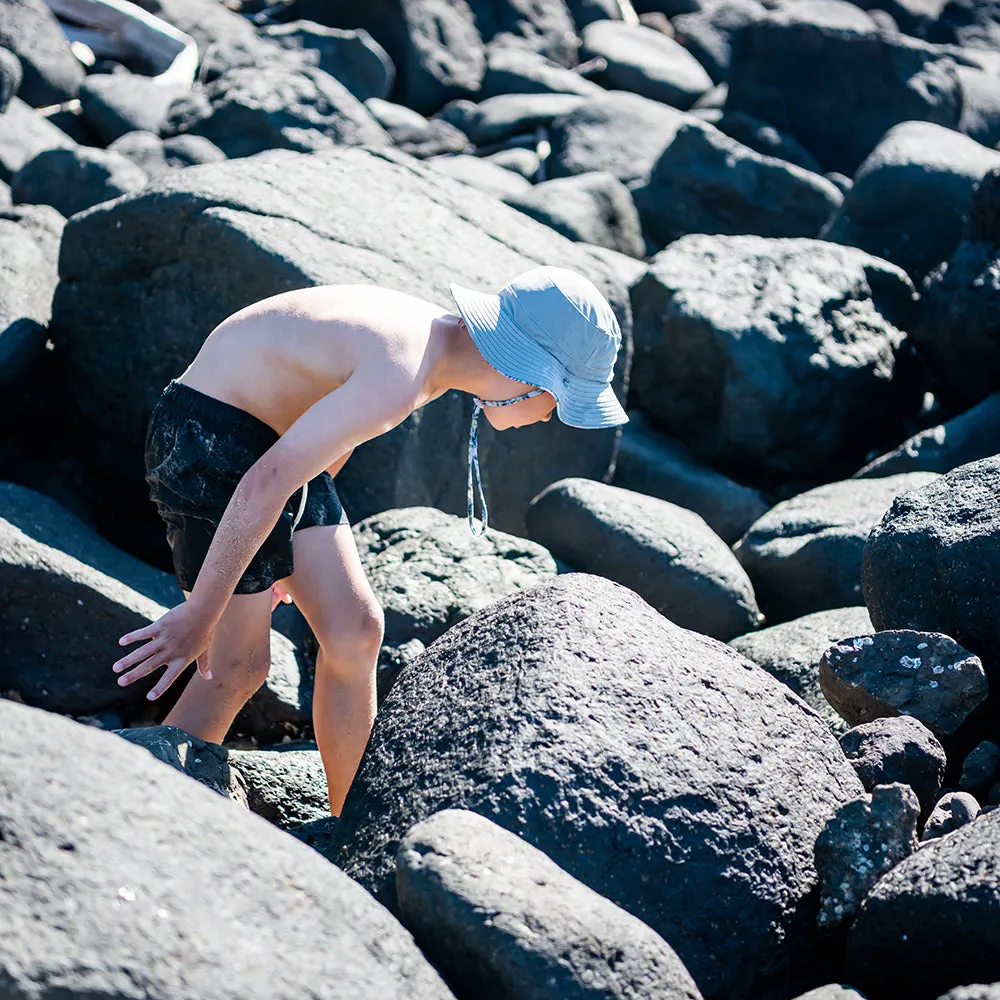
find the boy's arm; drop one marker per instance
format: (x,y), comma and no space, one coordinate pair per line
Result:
(329,429)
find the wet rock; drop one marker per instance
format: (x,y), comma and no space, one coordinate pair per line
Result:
(133,856)
(903,672)
(932,922)
(646,62)
(792,651)
(771,358)
(953,809)
(709,32)
(666,554)
(117,103)
(804,555)
(23,135)
(706,182)
(897,750)
(980,769)
(522,71)
(580,719)
(865,839)
(499,918)
(499,118)
(661,467)
(52,74)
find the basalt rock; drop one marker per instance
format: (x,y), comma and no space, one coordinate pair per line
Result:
(953,809)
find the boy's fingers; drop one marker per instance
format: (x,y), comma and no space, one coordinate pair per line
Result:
(136,656)
(202,664)
(142,633)
(153,663)
(169,676)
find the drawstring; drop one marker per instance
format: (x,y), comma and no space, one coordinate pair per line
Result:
(480,528)
(302,506)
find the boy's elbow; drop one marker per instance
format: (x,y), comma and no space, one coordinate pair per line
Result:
(263,488)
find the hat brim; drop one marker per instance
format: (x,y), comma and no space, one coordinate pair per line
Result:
(579,402)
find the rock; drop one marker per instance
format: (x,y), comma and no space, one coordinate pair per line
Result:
(980,101)
(522,71)
(966,438)
(911,196)
(804,555)
(903,672)
(499,118)
(978,991)
(709,32)
(772,359)
(52,73)
(839,90)
(966,23)
(117,103)
(768,141)
(900,749)
(133,863)
(644,62)
(157,156)
(483,175)
(23,135)
(73,180)
(249,110)
(521,161)
(592,208)
(318,833)
(865,839)
(953,809)
(420,137)
(352,57)
(661,467)
(253,228)
(832,991)
(429,572)
(792,651)
(620,133)
(706,182)
(943,541)
(578,718)
(498,918)
(285,784)
(585,12)
(545,28)
(980,769)
(666,554)
(11,76)
(435,45)
(932,921)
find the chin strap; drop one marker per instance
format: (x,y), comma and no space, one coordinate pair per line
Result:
(480,528)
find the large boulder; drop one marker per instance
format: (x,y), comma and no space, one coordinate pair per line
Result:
(668,555)
(545,28)
(772,359)
(804,555)
(933,921)
(499,118)
(911,196)
(111,860)
(52,73)
(710,29)
(516,70)
(201,243)
(647,761)
(23,135)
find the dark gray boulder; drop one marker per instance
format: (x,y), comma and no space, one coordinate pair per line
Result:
(668,555)
(979,991)
(646,62)
(769,141)
(523,71)
(903,672)
(576,717)
(804,555)
(51,72)
(707,182)
(411,132)
(943,540)
(23,135)
(500,919)
(545,28)
(285,784)
(506,115)
(933,921)
(832,991)
(980,769)
(133,857)
(911,196)
(491,179)
(592,208)
(114,104)
(352,57)
(11,76)
(73,180)
(863,840)
(791,652)
(953,809)
(968,23)
(772,359)
(158,156)
(708,32)
(662,467)
(900,749)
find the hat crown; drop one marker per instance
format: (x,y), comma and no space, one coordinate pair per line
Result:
(565,314)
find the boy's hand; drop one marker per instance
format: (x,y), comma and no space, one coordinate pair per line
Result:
(180,637)
(279,596)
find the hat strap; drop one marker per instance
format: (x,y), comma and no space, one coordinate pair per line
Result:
(480,528)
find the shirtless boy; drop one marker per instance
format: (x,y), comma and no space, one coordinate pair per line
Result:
(277,398)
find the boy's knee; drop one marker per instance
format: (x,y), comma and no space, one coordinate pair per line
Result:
(357,641)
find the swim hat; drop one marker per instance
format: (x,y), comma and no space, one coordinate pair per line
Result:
(552,328)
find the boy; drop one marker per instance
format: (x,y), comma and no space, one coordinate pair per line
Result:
(242,448)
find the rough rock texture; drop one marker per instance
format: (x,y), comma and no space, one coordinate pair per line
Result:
(769,141)
(900,749)
(650,763)
(772,358)
(545,28)
(286,784)
(23,135)
(499,919)
(114,104)
(122,879)
(666,554)
(832,991)
(804,555)
(903,672)
(11,77)
(864,840)
(512,70)
(944,541)
(980,769)
(709,30)
(792,651)
(507,115)
(979,991)
(953,809)
(933,921)
(51,72)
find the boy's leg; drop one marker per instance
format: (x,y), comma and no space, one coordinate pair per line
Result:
(239,657)
(331,590)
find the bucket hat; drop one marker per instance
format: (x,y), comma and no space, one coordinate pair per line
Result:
(550,327)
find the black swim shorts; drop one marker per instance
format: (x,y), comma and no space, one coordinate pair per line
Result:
(197,450)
